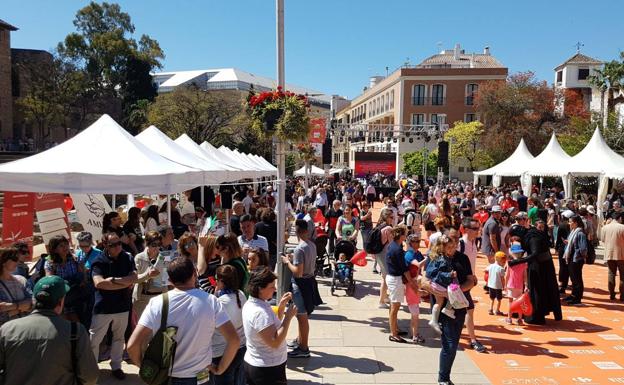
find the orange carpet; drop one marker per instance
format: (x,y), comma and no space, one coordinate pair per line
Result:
(587,347)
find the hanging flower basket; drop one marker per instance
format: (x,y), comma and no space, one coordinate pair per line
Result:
(280,113)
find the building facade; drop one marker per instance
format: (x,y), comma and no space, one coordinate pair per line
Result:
(437,92)
(6,97)
(571,78)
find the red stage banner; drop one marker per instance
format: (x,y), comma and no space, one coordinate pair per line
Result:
(370,163)
(318,130)
(17,218)
(50,209)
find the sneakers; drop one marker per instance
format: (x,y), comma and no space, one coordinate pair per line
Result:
(449,312)
(520,321)
(434,325)
(293,344)
(509,321)
(491,312)
(478,347)
(299,353)
(418,339)
(375,271)
(118,374)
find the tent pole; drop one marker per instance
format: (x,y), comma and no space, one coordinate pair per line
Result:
(169,210)
(114,202)
(202,197)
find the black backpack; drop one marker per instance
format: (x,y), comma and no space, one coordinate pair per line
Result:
(38,270)
(374,244)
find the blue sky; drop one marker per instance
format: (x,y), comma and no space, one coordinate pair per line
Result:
(335,45)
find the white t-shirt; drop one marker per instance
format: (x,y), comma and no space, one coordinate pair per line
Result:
(196,315)
(257,316)
(256,242)
(247,202)
(470,249)
(496,275)
(229,304)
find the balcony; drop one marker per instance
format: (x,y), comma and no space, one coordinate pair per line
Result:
(428,101)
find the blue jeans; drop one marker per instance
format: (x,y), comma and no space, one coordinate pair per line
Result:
(234,375)
(451,331)
(184,381)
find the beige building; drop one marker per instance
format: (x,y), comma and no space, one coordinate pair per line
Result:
(435,93)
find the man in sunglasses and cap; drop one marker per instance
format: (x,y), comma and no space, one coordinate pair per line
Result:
(44,348)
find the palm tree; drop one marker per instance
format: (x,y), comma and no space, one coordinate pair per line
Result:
(609,79)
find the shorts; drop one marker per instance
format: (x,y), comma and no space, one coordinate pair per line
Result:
(414,309)
(496,294)
(438,290)
(297,298)
(471,304)
(513,293)
(381,261)
(396,288)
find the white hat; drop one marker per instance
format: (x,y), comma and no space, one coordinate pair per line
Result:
(591,210)
(568,214)
(496,209)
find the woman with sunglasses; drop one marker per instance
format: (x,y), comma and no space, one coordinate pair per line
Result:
(23,252)
(187,247)
(15,299)
(85,255)
(231,254)
(61,262)
(146,287)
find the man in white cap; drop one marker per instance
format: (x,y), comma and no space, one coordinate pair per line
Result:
(491,235)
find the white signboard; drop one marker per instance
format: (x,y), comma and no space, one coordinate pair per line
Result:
(90,209)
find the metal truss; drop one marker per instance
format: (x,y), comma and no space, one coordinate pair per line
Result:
(387,132)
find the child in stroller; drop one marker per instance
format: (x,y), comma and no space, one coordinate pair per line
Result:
(342,277)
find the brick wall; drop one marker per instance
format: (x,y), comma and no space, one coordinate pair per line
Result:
(6,100)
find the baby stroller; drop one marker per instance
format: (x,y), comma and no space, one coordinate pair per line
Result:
(323,268)
(342,277)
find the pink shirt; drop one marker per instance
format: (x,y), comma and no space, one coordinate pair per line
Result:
(516,276)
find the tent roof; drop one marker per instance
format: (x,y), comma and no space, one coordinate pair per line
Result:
(160,143)
(313,171)
(103,158)
(512,166)
(550,162)
(596,158)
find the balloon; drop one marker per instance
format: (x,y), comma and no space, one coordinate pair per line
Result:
(359,258)
(69,203)
(522,305)
(403,183)
(140,203)
(318,217)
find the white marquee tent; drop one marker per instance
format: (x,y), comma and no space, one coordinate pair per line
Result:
(553,162)
(103,158)
(313,170)
(160,143)
(512,166)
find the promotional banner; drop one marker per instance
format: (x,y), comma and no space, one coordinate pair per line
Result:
(318,130)
(90,209)
(17,218)
(370,163)
(50,211)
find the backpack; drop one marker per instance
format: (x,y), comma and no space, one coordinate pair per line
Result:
(38,270)
(158,360)
(462,246)
(374,244)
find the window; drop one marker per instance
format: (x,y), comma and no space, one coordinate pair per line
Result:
(387,101)
(419,94)
(583,73)
(383,103)
(559,76)
(438,119)
(392,99)
(370,109)
(460,168)
(437,95)
(374,108)
(471,91)
(418,119)
(470,118)
(378,109)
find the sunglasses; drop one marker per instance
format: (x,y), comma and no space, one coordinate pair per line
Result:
(189,245)
(154,244)
(114,244)
(85,246)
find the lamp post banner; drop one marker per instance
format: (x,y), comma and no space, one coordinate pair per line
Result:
(318,130)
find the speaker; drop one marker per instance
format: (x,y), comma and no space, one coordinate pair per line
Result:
(443,149)
(327,151)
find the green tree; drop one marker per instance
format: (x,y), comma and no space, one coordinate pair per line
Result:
(608,79)
(413,162)
(465,144)
(115,65)
(204,116)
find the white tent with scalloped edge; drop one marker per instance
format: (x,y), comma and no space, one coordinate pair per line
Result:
(515,165)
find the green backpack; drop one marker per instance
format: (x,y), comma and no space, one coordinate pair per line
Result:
(158,359)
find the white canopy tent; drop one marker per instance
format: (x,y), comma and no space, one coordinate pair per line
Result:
(512,166)
(313,170)
(553,162)
(157,141)
(103,158)
(597,159)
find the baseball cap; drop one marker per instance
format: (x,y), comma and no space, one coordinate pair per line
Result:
(591,210)
(522,215)
(568,214)
(516,248)
(496,209)
(49,290)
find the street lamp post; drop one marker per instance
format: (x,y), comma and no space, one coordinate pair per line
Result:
(281,160)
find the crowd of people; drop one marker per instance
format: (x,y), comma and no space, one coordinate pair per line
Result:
(115,285)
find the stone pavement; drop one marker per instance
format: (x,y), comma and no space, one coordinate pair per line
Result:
(349,345)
